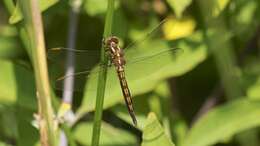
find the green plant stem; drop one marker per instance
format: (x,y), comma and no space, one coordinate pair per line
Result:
(34,29)
(102,77)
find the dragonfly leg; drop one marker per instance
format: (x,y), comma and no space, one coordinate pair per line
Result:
(109,63)
(104,42)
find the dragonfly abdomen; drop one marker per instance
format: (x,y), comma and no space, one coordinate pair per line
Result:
(127,94)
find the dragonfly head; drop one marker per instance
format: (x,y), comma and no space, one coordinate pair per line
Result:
(112,39)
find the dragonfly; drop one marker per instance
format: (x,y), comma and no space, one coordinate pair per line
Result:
(121,59)
(116,55)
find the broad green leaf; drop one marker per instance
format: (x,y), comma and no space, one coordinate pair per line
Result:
(17,85)
(144,76)
(223,122)
(179,6)
(109,135)
(17,15)
(153,133)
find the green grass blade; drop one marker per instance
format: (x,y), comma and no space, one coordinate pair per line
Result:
(102,77)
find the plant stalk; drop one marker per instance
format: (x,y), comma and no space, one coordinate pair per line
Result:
(102,76)
(34,29)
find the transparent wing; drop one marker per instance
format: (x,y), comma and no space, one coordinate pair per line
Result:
(155,31)
(83,58)
(85,61)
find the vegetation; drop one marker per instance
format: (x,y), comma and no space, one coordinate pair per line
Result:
(192,68)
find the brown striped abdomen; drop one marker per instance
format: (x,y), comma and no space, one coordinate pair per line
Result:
(127,94)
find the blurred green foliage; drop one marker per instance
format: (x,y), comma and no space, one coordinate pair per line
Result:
(205,93)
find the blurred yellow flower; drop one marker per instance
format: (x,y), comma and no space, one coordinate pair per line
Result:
(178,28)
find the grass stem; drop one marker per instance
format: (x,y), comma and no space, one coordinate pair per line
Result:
(102,77)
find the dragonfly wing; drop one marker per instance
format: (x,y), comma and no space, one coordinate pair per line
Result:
(148,53)
(82,58)
(154,30)
(155,55)
(82,78)
(152,45)
(85,64)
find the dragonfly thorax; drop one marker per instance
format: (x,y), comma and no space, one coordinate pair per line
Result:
(115,53)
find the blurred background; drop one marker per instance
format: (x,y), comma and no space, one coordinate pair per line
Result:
(198,74)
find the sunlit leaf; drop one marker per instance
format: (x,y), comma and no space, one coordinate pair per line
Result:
(153,133)
(223,122)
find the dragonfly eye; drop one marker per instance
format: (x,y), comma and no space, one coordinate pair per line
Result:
(114,39)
